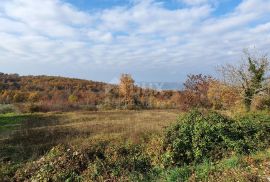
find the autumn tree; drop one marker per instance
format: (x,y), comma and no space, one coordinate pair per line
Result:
(33,97)
(223,96)
(19,97)
(195,91)
(126,89)
(73,98)
(250,76)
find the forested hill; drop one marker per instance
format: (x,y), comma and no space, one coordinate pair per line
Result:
(22,89)
(61,92)
(47,83)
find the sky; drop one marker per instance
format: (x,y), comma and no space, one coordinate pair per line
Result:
(153,40)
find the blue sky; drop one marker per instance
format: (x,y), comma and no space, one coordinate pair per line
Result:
(223,6)
(154,40)
(95,5)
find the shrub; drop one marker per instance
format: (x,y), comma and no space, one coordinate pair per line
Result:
(198,136)
(154,149)
(261,103)
(4,109)
(118,162)
(195,137)
(7,170)
(32,108)
(101,161)
(59,164)
(250,133)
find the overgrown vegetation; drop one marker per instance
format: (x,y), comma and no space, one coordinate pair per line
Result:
(200,146)
(198,137)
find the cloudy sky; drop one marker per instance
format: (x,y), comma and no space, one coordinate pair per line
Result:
(154,40)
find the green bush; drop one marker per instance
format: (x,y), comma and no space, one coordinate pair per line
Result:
(4,109)
(198,136)
(250,133)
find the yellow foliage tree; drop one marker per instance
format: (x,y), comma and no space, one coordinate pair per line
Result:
(72,98)
(127,89)
(33,97)
(223,96)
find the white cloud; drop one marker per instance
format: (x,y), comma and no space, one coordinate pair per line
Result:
(145,37)
(254,6)
(195,2)
(50,17)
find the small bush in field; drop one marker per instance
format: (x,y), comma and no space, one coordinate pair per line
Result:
(212,136)
(4,109)
(32,108)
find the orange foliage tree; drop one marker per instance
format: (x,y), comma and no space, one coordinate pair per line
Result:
(127,89)
(223,96)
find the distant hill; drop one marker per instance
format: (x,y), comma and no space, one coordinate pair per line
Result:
(47,83)
(56,91)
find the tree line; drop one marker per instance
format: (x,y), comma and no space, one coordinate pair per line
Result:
(242,85)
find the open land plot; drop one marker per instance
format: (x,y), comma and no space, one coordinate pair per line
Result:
(28,136)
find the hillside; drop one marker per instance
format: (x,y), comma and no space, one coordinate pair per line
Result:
(48,83)
(60,93)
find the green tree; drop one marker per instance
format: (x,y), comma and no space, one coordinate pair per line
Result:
(250,76)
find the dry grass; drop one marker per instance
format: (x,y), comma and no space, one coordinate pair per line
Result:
(33,135)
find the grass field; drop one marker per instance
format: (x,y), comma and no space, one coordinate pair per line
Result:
(62,146)
(24,137)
